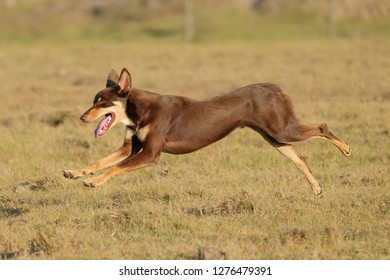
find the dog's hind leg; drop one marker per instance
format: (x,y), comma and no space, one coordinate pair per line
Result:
(324,133)
(289,151)
(279,122)
(303,132)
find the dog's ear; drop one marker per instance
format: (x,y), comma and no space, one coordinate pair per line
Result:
(112,78)
(124,82)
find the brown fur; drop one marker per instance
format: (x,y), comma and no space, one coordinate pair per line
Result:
(173,124)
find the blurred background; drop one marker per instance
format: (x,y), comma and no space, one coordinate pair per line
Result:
(197,21)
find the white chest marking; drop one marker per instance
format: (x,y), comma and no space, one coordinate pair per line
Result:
(143,133)
(120,111)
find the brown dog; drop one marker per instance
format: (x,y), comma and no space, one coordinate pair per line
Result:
(164,123)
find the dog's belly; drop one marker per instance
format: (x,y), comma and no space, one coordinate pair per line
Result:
(181,147)
(183,143)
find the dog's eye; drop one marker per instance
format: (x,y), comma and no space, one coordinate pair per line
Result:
(99,101)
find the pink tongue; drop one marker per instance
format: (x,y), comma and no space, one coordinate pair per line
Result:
(103,126)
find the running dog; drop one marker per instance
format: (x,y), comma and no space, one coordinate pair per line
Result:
(177,125)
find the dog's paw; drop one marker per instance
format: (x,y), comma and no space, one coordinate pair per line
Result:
(72,174)
(90,183)
(347,152)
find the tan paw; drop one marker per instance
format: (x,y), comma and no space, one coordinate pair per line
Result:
(317,189)
(72,174)
(348,151)
(91,183)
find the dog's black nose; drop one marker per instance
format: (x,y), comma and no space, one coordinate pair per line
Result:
(83,118)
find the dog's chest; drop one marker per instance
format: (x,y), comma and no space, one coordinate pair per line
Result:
(143,132)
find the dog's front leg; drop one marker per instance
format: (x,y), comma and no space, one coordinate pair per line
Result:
(108,161)
(131,146)
(146,157)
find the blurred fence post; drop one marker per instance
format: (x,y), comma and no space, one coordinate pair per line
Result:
(331,18)
(189,21)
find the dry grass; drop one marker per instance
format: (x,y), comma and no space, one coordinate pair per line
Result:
(238,196)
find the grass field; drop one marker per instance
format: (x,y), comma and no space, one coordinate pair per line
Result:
(236,199)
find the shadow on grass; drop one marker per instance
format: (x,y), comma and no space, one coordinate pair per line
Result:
(8,255)
(10,212)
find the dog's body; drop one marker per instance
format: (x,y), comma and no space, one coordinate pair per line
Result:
(163,123)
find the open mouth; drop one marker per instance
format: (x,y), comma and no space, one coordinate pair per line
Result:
(104,125)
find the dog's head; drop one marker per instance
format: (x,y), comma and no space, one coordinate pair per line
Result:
(110,103)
